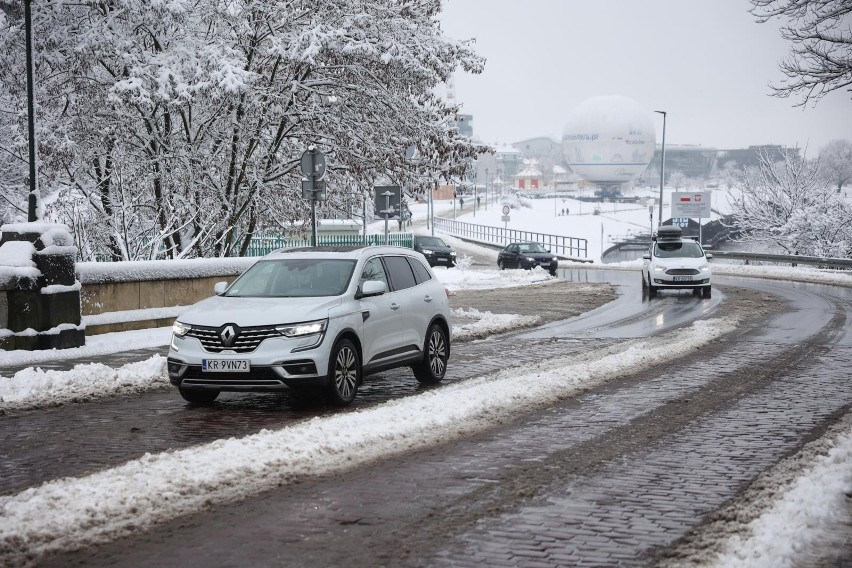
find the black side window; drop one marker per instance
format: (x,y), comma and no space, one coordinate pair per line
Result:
(400,272)
(420,272)
(373,270)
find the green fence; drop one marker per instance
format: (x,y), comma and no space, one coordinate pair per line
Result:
(264,244)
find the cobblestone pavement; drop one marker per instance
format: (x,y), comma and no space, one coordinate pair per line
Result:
(616,476)
(36,446)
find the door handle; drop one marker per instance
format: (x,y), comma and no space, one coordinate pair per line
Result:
(427,298)
(394,306)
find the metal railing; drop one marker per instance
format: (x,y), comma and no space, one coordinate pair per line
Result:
(794,259)
(264,244)
(569,247)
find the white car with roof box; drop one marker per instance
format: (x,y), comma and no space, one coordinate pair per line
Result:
(674,262)
(317,318)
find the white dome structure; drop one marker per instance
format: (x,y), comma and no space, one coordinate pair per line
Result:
(609,140)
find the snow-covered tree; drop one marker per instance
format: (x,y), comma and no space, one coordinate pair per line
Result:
(835,160)
(677,179)
(789,204)
(176,128)
(820,59)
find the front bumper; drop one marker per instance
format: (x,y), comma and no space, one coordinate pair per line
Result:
(551,266)
(273,366)
(441,259)
(669,282)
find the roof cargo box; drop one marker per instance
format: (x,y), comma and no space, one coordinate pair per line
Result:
(669,232)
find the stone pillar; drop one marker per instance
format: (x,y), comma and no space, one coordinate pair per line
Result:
(39,292)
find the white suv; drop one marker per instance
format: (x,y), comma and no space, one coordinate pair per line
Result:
(308,318)
(675,262)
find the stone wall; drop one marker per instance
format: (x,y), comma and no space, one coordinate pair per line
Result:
(125,296)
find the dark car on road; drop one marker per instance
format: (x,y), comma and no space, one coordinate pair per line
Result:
(436,251)
(528,256)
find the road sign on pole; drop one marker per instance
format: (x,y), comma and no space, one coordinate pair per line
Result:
(313,188)
(389,206)
(313,163)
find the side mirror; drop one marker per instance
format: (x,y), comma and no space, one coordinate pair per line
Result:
(220,287)
(372,288)
(708,256)
(646,256)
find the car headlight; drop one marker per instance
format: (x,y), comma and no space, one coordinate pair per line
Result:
(704,267)
(427,251)
(529,259)
(301,329)
(452,253)
(180,329)
(659,268)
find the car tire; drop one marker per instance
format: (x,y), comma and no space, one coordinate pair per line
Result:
(706,293)
(652,290)
(500,264)
(201,397)
(451,265)
(553,272)
(436,351)
(344,373)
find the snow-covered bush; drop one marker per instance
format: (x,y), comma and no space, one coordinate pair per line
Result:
(516,202)
(464,262)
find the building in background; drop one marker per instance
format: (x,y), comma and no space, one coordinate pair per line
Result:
(750,157)
(697,162)
(505,168)
(529,177)
(465,125)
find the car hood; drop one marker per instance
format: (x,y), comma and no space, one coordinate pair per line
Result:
(436,248)
(680,262)
(244,312)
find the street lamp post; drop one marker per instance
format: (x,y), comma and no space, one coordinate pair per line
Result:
(32,204)
(475,194)
(662,167)
(486,189)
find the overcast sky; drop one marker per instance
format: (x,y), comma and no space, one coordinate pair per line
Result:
(705,62)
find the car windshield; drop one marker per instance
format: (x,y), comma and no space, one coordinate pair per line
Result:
(430,242)
(294,277)
(531,247)
(680,249)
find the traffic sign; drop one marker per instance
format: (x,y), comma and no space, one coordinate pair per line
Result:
(313,163)
(505,218)
(387,199)
(694,204)
(505,211)
(313,189)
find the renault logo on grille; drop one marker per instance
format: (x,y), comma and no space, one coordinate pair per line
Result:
(228,334)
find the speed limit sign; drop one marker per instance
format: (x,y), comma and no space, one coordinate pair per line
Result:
(505,210)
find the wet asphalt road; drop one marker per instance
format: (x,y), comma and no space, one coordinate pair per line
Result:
(620,475)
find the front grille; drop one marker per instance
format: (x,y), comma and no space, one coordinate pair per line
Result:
(259,376)
(682,272)
(247,340)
